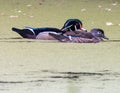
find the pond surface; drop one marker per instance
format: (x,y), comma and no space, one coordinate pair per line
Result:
(46,81)
(36,66)
(30,66)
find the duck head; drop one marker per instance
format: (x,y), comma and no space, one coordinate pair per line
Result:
(73,25)
(98,33)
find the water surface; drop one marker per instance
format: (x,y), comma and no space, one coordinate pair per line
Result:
(32,66)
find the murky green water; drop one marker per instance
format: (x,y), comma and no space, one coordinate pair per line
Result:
(30,66)
(45,81)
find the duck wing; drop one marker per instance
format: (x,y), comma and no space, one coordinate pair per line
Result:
(80,34)
(60,37)
(44,29)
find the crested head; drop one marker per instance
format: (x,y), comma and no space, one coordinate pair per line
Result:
(97,32)
(73,25)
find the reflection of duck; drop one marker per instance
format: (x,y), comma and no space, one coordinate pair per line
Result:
(42,33)
(73,25)
(94,36)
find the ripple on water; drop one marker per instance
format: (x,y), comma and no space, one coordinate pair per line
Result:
(48,78)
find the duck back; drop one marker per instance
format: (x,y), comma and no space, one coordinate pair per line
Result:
(79,34)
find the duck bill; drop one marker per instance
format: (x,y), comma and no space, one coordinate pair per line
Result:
(105,37)
(83,29)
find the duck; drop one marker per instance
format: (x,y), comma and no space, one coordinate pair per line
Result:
(73,25)
(37,33)
(96,35)
(43,32)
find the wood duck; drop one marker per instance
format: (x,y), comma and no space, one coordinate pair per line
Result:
(73,25)
(37,33)
(43,33)
(94,36)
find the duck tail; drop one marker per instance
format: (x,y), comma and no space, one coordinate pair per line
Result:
(15,29)
(25,33)
(19,31)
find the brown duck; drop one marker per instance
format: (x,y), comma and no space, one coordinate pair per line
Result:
(94,36)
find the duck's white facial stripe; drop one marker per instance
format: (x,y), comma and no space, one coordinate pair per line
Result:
(75,28)
(66,27)
(31,30)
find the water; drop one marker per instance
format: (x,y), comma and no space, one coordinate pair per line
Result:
(33,66)
(30,66)
(46,81)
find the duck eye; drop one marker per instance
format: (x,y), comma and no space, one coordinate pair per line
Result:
(99,33)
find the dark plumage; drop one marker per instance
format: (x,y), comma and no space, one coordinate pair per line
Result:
(37,33)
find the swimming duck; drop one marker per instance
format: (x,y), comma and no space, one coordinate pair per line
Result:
(42,33)
(37,33)
(73,25)
(94,36)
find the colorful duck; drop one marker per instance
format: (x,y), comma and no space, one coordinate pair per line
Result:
(73,25)
(43,33)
